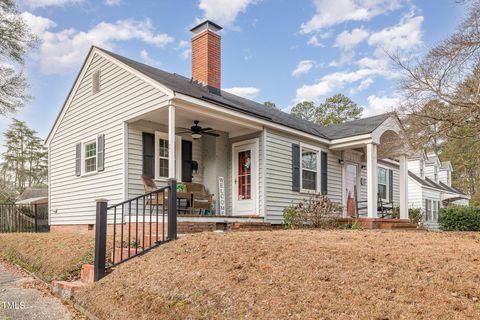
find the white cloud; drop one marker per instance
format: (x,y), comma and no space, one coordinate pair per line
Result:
(37,24)
(365,84)
(149,60)
(49,3)
(303,67)
(330,82)
(113,2)
(330,13)
(185,49)
(380,104)
(405,35)
(63,51)
(224,12)
(246,92)
(313,41)
(348,40)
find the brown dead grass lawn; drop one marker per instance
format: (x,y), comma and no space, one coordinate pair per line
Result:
(50,256)
(298,275)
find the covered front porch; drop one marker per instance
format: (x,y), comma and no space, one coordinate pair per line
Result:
(375,176)
(215,158)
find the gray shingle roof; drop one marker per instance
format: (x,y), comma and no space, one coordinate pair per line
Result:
(31,192)
(183,85)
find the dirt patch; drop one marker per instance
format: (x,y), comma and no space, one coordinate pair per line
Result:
(49,256)
(298,275)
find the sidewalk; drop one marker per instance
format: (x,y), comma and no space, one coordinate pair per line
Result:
(19,298)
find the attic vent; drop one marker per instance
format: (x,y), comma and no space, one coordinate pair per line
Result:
(96,82)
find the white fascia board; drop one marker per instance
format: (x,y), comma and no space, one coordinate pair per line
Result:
(354,143)
(241,115)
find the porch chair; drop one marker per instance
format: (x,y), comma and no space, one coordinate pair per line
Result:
(359,205)
(150,186)
(384,209)
(202,200)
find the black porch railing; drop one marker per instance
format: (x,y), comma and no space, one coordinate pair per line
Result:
(133,227)
(24,218)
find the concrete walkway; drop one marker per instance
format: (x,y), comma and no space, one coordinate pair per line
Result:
(18,300)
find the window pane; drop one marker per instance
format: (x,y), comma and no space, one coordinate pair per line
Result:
(163,168)
(382,190)
(163,148)
(382,176)
(90,150)
(91,164)
(309,180)
(244,175)
(309,160)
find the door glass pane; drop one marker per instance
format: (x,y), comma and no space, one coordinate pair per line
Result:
(244,175)
(351,181)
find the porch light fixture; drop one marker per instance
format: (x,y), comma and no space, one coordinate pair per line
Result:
(196,135)
(364,167)
(340,161)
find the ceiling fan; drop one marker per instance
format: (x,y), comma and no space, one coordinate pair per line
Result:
(198,131)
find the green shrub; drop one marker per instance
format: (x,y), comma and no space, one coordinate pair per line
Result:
(318,211)
(459,219)
(415,215)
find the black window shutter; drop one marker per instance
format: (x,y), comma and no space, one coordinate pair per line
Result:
(101,152)
(390,185)
(296,167)
(148,154)
(78,159)
(324,172)
(187,170)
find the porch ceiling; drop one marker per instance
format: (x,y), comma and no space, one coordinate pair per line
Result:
(184,120)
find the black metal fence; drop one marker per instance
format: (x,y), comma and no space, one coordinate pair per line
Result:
(24,218)
(133,227)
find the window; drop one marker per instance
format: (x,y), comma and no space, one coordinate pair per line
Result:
(309,169)
(96,82)
(435,205)
(422,174)
(162,158)
(428,209)
(435,173)
(162,153)
(382,183)
(90,156)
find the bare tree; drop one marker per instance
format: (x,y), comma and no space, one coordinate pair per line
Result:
(442,90)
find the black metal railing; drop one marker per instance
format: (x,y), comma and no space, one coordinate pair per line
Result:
(133,227)
(24,218)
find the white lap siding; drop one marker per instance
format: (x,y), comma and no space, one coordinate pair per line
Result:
(279,194)
(122,96)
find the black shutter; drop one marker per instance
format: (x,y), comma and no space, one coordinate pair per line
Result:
(324,172)
(78,159)
(187,170)
(390,185)
(296,167)
(148,155)
(101,152)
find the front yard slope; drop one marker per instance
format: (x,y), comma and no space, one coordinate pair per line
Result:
(51,256)
(299,275)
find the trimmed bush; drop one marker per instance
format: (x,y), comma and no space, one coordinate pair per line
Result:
(459,219)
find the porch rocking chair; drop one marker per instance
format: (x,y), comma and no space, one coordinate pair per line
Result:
(384,209)
(156,199)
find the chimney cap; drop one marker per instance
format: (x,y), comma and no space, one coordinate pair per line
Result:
(206,25)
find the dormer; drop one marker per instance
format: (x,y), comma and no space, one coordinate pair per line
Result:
(432,166)
(445,173)
(416,164)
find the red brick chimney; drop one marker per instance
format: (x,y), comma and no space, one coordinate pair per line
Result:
(206,55)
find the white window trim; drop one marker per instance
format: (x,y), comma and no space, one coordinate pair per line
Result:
(83,158)
(318,180)
(178,155)
(387,182)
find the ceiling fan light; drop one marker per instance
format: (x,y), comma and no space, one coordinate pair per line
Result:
(196,135)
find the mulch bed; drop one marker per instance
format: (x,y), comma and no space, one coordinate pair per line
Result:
(305,274)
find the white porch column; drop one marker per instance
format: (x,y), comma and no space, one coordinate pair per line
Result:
(372,180)
(172,172)
(403,187)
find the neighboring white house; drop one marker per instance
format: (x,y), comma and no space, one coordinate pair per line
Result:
(123,119)
(430,186)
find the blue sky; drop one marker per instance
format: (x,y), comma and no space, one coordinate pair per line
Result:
(277,50)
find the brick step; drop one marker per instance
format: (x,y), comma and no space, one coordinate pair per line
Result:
(403,226)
